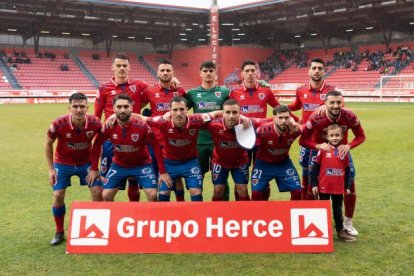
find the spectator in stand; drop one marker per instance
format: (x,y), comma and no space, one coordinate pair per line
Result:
(95,57)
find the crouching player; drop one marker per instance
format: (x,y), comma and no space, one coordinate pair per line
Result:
(272,158)
(74,133)
(330,177)
(130,137)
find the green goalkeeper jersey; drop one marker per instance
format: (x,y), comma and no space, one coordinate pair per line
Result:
(206,100)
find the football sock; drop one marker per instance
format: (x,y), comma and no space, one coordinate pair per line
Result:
(133,190)
(217,198)
(241,198)
(257,195)
(296,195)
(163,197)
(179,195)
(304,189)
(197,197)
(349,202)
(59,216)
(226,196)
(267,192)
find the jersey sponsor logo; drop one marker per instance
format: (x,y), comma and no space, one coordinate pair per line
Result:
(179,142)
(192,131)
(278,151)
(334,172)
(133,88)
(251,109)
(229,144)
(68,135)
(90,227)
(202,105)
(262,96)
(163,106)
(77,146)
(310,106)
(322,97)
(309,226)
(134,137)
(89,134)
(218,94)
(125,148)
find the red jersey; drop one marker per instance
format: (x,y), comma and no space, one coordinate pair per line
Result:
(314,131)
(309,99)
(274,147)
(227,151)
(74,144)
(253,101)
(109,90)
(130,145)
(180,143)
(159,99)
(332,171)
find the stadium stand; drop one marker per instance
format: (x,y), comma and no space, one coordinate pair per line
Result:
(45,71)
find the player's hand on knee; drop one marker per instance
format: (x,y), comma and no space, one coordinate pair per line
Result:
(90,178)
(52,177)
(165,177)
(315,190)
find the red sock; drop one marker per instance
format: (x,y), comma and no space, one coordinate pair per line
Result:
(309,194)
(59,216)
(258,196)
(267,192)
(304,189)
(295,195)
(133,192)
(241,198)
(217,198)
(350,202)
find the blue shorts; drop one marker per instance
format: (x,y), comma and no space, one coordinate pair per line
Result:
(312,159)
(65,172)
(117,176)
(189,170)
(285,174)
(219,174)
(304,159)
(106,157)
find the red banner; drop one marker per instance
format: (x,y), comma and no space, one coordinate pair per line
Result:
(208,227)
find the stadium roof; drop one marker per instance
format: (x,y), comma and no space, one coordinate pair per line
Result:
(261,22)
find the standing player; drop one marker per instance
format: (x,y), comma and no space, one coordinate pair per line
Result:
(272,158)
(309,97)
(180,148)
(205,98)
(228,155)
(330,178)
(129,137)
(74,133)
(314,134)
(159,97)
(119,84)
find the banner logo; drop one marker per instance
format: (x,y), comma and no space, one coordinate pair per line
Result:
(90,227)
(308,228)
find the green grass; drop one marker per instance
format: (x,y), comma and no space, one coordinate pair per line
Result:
(384,213)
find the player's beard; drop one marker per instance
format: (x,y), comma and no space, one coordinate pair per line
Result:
(333,114)
(316,78)
(123,117)
(282,127)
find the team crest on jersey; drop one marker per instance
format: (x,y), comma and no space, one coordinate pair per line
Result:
(192,131)
(68,135)
(89,134)
(290,141)
(262,96)
(133,88)
(175,94)
(218,94)
(115,136)
(134,137)
(322,96)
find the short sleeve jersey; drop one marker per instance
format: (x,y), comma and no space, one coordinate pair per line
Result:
(332,171)
(74,144)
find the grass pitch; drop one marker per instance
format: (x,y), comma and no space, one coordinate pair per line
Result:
(384,213)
